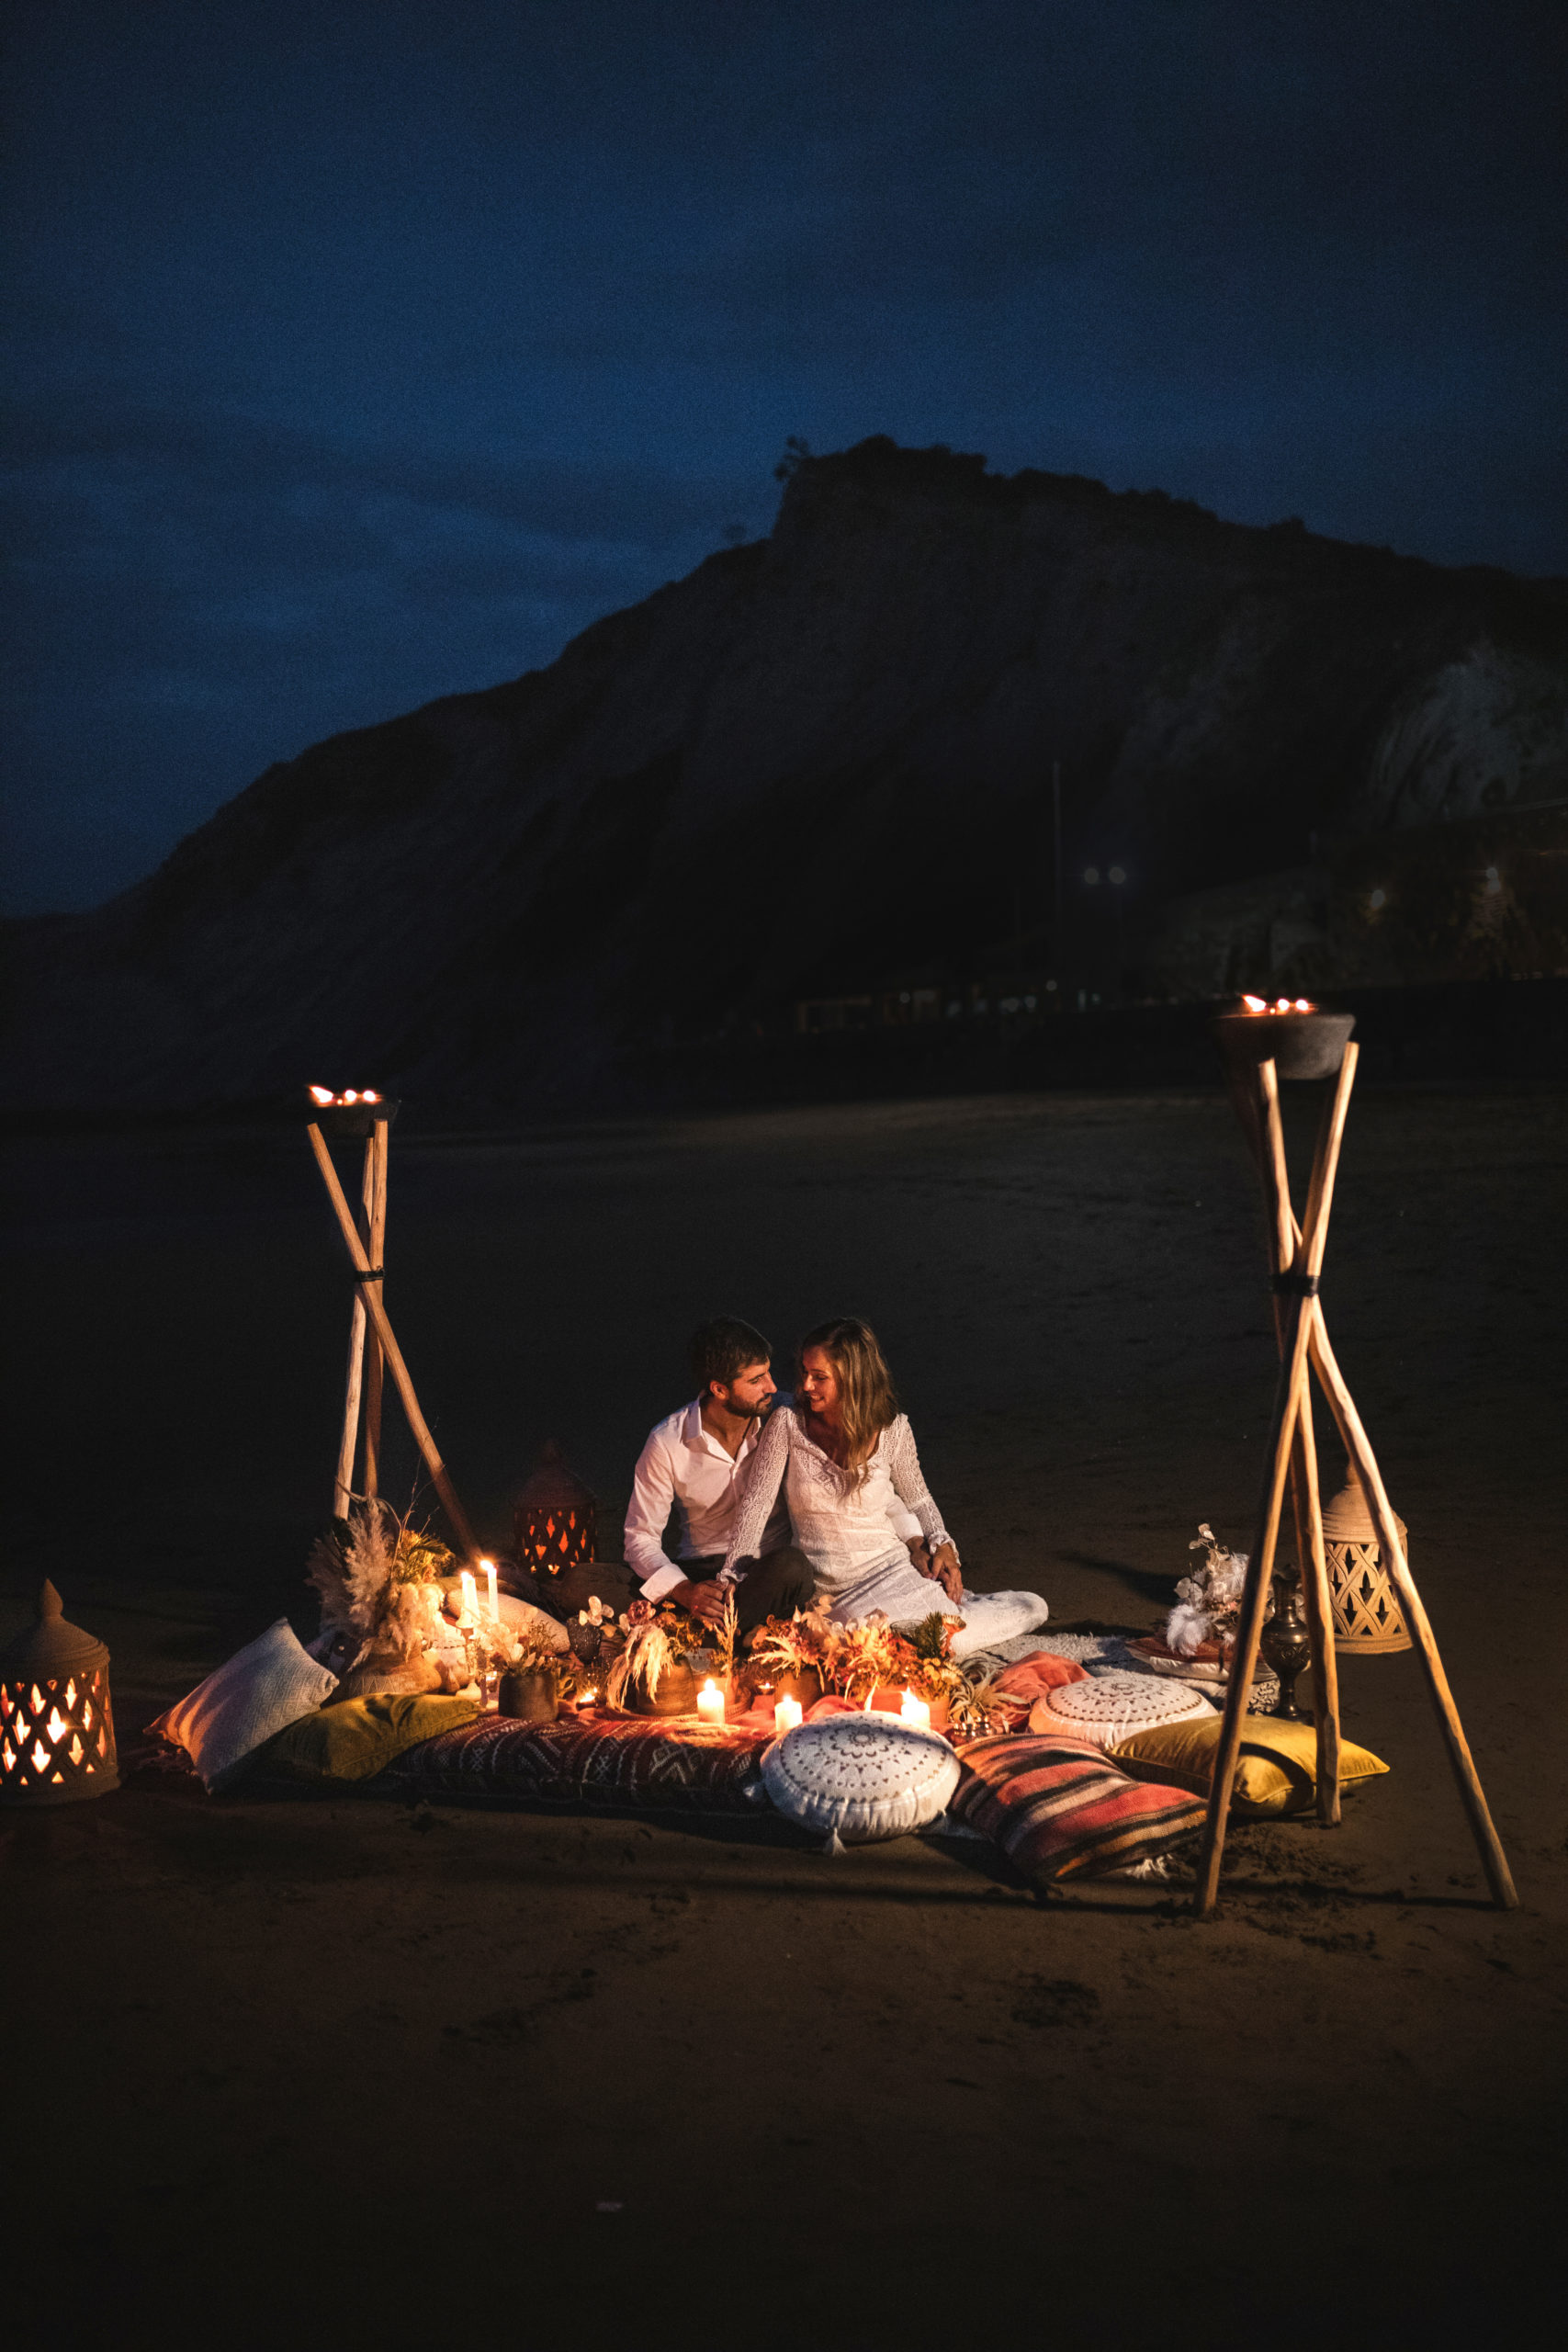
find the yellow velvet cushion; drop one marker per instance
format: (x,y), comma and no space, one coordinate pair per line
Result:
(1276,1772)
(359,1737)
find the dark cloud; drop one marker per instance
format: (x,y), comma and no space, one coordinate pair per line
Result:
(365,353)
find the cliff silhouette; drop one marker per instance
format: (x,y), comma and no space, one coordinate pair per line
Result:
(821,758)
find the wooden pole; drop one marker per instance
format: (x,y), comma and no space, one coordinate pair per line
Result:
(376,1210)
(1305,1500)
(1359,1447)
(1306,1266)
(1258,1114)
(343,1484)
(376,1314)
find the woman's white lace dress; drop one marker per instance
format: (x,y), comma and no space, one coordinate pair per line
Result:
(841,1523)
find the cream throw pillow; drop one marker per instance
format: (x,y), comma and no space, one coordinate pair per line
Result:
(859,1777)
(263,1688)
(1110,1708)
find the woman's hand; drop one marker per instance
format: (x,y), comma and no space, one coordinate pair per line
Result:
(946,1571)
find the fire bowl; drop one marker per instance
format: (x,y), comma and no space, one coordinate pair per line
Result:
(344,1119)
(1300,1045)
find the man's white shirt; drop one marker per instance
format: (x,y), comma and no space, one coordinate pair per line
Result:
(684,1467)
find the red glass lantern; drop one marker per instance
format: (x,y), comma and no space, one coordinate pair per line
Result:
(555,1517)
(56,1720)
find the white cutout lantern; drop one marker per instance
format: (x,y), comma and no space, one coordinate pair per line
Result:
(56,1720)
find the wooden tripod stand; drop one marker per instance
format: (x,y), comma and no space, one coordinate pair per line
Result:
(1297,1253)
(371,1344)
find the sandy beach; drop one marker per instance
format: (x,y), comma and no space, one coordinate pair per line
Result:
(348,2070)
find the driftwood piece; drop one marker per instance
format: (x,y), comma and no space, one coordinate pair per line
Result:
(376,1315)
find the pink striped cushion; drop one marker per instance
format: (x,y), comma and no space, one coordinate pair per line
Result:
(1058,1807)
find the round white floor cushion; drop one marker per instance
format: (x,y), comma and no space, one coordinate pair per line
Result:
(859,1777)
(1113,1707)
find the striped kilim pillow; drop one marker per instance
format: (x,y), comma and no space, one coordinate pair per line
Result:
(616,1761)
(1060,1808)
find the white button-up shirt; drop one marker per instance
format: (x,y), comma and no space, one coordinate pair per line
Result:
(683,1465)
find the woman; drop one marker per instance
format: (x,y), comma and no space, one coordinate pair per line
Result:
(841,1451)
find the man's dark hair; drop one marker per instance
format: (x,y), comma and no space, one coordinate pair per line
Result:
(722,1348)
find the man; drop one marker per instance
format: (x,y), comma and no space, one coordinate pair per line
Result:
(698,1461)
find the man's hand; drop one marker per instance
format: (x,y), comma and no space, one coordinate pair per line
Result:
(707,1601)
(943,1566)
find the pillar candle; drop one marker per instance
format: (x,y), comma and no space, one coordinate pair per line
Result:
(710,1702)
(914,1710)
(787,1715)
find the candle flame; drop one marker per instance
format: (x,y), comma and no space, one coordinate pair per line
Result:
(322,1094)
(1281,1004)
(1255,1005)
(328,1100)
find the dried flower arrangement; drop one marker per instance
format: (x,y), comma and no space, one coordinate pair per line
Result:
(1207,1601)
(854,1661)
(534,1654)
(657,1638)
(374,1573)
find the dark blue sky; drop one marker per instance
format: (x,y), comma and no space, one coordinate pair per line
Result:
(363,353)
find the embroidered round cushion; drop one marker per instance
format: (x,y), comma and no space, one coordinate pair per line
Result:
(860,1777)
(1113,1707)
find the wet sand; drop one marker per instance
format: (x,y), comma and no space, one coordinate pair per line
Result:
(343,2070)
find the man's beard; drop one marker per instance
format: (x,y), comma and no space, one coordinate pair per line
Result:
(744,1411)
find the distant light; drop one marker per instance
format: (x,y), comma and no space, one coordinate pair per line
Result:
(1050,984)
(1493,879)
(1118,873)
(1091,874)
(903,996)
(1378,899)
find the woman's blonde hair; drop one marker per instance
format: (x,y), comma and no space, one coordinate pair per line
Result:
(866,1403)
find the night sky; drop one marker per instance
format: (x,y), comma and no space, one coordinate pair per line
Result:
(359,354)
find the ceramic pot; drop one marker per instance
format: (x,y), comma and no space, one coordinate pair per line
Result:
(530,1697)
(676,1694)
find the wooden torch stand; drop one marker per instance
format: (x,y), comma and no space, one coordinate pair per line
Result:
(1297,1253)
(372,1349)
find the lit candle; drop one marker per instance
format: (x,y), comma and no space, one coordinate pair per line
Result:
(471,1607)
(488,1568)
(787,1715)
(710,1702)
(916,1710)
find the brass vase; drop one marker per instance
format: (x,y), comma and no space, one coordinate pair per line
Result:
(1286,1643)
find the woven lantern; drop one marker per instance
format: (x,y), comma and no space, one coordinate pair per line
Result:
(1367,1616)
(56,1722)
(555,1517)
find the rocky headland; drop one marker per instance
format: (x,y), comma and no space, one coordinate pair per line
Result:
(825,759)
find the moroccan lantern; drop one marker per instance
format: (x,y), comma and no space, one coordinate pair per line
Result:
(1367,1617)
(56,1722)
(555,1517)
